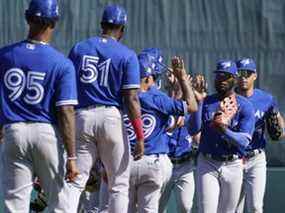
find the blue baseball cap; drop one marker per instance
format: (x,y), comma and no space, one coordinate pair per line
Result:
(227,66)
(147,65)
(114,14)
(246,64)
(160,67)
(43,8)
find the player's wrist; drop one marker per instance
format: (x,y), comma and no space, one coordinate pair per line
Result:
(138,128)
(72,158)
(183,79)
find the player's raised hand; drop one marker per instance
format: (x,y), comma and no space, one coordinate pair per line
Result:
(200,87)
(71,171)
(139,149)
(178,68)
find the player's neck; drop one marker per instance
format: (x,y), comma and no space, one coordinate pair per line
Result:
(246,93)
(40,37)
(144,87)
(109,35)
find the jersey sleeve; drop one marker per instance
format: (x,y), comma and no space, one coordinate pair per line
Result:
(170,106)
(131,74)
(66,90)
(247,119)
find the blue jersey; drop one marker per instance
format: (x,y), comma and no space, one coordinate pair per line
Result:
(156,108)
(34,79)
(104,67)
(262,102)
(180,141)
(215,143)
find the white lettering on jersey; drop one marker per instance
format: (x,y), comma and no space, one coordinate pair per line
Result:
(149,123)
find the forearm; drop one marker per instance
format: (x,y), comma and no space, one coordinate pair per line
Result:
(66,121)
(133,107)
(132,104)
(196,120)
(188,95)
(237,138)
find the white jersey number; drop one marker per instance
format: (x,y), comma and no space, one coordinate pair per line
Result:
(90,69)
(16,81)
(149,123)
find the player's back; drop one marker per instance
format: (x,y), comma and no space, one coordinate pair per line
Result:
(156,107)
(104,66)
(32,81)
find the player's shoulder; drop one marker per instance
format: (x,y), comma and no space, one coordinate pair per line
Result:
(120,50)
(153,96)
(108,44)
(262,94)
(58,57)
(8,48)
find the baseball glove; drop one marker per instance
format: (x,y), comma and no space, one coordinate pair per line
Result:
(93,183)
(274,127)
(40,202)
(227,110)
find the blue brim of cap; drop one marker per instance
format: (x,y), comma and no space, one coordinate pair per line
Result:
(249,69)
(226,71)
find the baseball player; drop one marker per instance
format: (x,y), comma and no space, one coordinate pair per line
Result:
(147,174)
(226,122)
(182,179)
(255,160)
(38,91)
(182,154)
(108,79)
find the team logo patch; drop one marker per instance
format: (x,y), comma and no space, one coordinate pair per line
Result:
(245,61)
(30,46)
(226,64)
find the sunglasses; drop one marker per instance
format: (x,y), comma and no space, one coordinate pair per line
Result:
(244,73)
(224,76)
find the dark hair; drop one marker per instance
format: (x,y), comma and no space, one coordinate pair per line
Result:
(110,26)
(42,22)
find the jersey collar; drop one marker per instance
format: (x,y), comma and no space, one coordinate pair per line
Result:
(37,42)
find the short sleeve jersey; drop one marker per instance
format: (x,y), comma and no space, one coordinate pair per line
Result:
(35,78)
(156,108)
(214,142)
(104,67)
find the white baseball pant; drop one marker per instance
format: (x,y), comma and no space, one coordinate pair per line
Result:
(32,149)
(145,184)
(100,134)
(182,183)
(89,202)
(254,182)
(103,197)
(149,202)
(218,185)
(167,168)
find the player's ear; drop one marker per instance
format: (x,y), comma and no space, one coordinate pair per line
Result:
(147,80)
(254,76)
